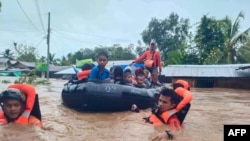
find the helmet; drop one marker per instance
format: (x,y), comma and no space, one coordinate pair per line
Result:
(12,93)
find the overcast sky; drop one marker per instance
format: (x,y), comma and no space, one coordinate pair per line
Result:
(79,24)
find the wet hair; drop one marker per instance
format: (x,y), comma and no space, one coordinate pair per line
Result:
(139,71)
(102,53)
(87,66)
(127,70)
(118,72)
(170,93)
(126,74)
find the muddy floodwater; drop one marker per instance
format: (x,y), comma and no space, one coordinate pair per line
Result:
(210,110)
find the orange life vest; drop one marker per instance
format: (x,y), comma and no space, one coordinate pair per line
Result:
(35,121)
(83,74)
(164,117)
(30,93)
(158,119)
(184,83)
(186,97)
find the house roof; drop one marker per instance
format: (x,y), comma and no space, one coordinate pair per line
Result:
(27,64)
(4,60)
(228,70)
(67,71)
(58,68)
(116,63)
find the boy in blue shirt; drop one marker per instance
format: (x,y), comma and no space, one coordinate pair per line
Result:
(99,72)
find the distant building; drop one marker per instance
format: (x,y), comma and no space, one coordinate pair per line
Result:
(3,63)
(227,76)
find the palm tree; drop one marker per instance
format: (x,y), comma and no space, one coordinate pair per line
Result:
(244,53)
(234,39)
(53,60)
(8,54)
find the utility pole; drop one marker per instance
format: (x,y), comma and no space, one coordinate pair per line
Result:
(48,41)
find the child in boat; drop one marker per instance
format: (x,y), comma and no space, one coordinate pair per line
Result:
(128,78)
(118,75)
(140,75)
(140,78)
(84,73)
(99,72)
(128,70)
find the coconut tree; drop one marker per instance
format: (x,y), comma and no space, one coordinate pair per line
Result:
(8,54)
(234,38)
(244,53)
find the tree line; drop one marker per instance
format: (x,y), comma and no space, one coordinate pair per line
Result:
(215,41)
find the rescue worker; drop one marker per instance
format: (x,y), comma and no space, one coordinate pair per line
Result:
(17,105)
(166,112)
(152,62)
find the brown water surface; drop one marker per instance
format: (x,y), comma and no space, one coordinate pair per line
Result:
(210,110)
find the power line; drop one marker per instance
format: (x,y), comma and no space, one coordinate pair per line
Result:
(39,15)
(72,38)
(27,15)
(98,36)
(11,30)
(46,7)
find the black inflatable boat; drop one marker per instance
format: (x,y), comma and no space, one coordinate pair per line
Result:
(106,96)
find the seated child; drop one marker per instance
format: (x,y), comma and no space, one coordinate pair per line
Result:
(118,75)
(133,77)
(99,72)
(139,71)
(128,79)
(140,81)
(84,73)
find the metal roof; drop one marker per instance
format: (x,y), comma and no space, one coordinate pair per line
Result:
(4,60)
(227,70)
(67,71)
(109,65)
(116,63)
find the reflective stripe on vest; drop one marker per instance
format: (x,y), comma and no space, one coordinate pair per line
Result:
(24,118)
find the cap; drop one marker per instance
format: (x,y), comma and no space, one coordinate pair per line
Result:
(12,93)
(152,41)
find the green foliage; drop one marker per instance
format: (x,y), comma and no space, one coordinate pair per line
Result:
(244,53)
(115,52)
(209,38)
(8,54)
(53,60)
(31,78)
(234,39)
(6,81)
(170,34)
(26,53)
(140,48)
(219,41)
